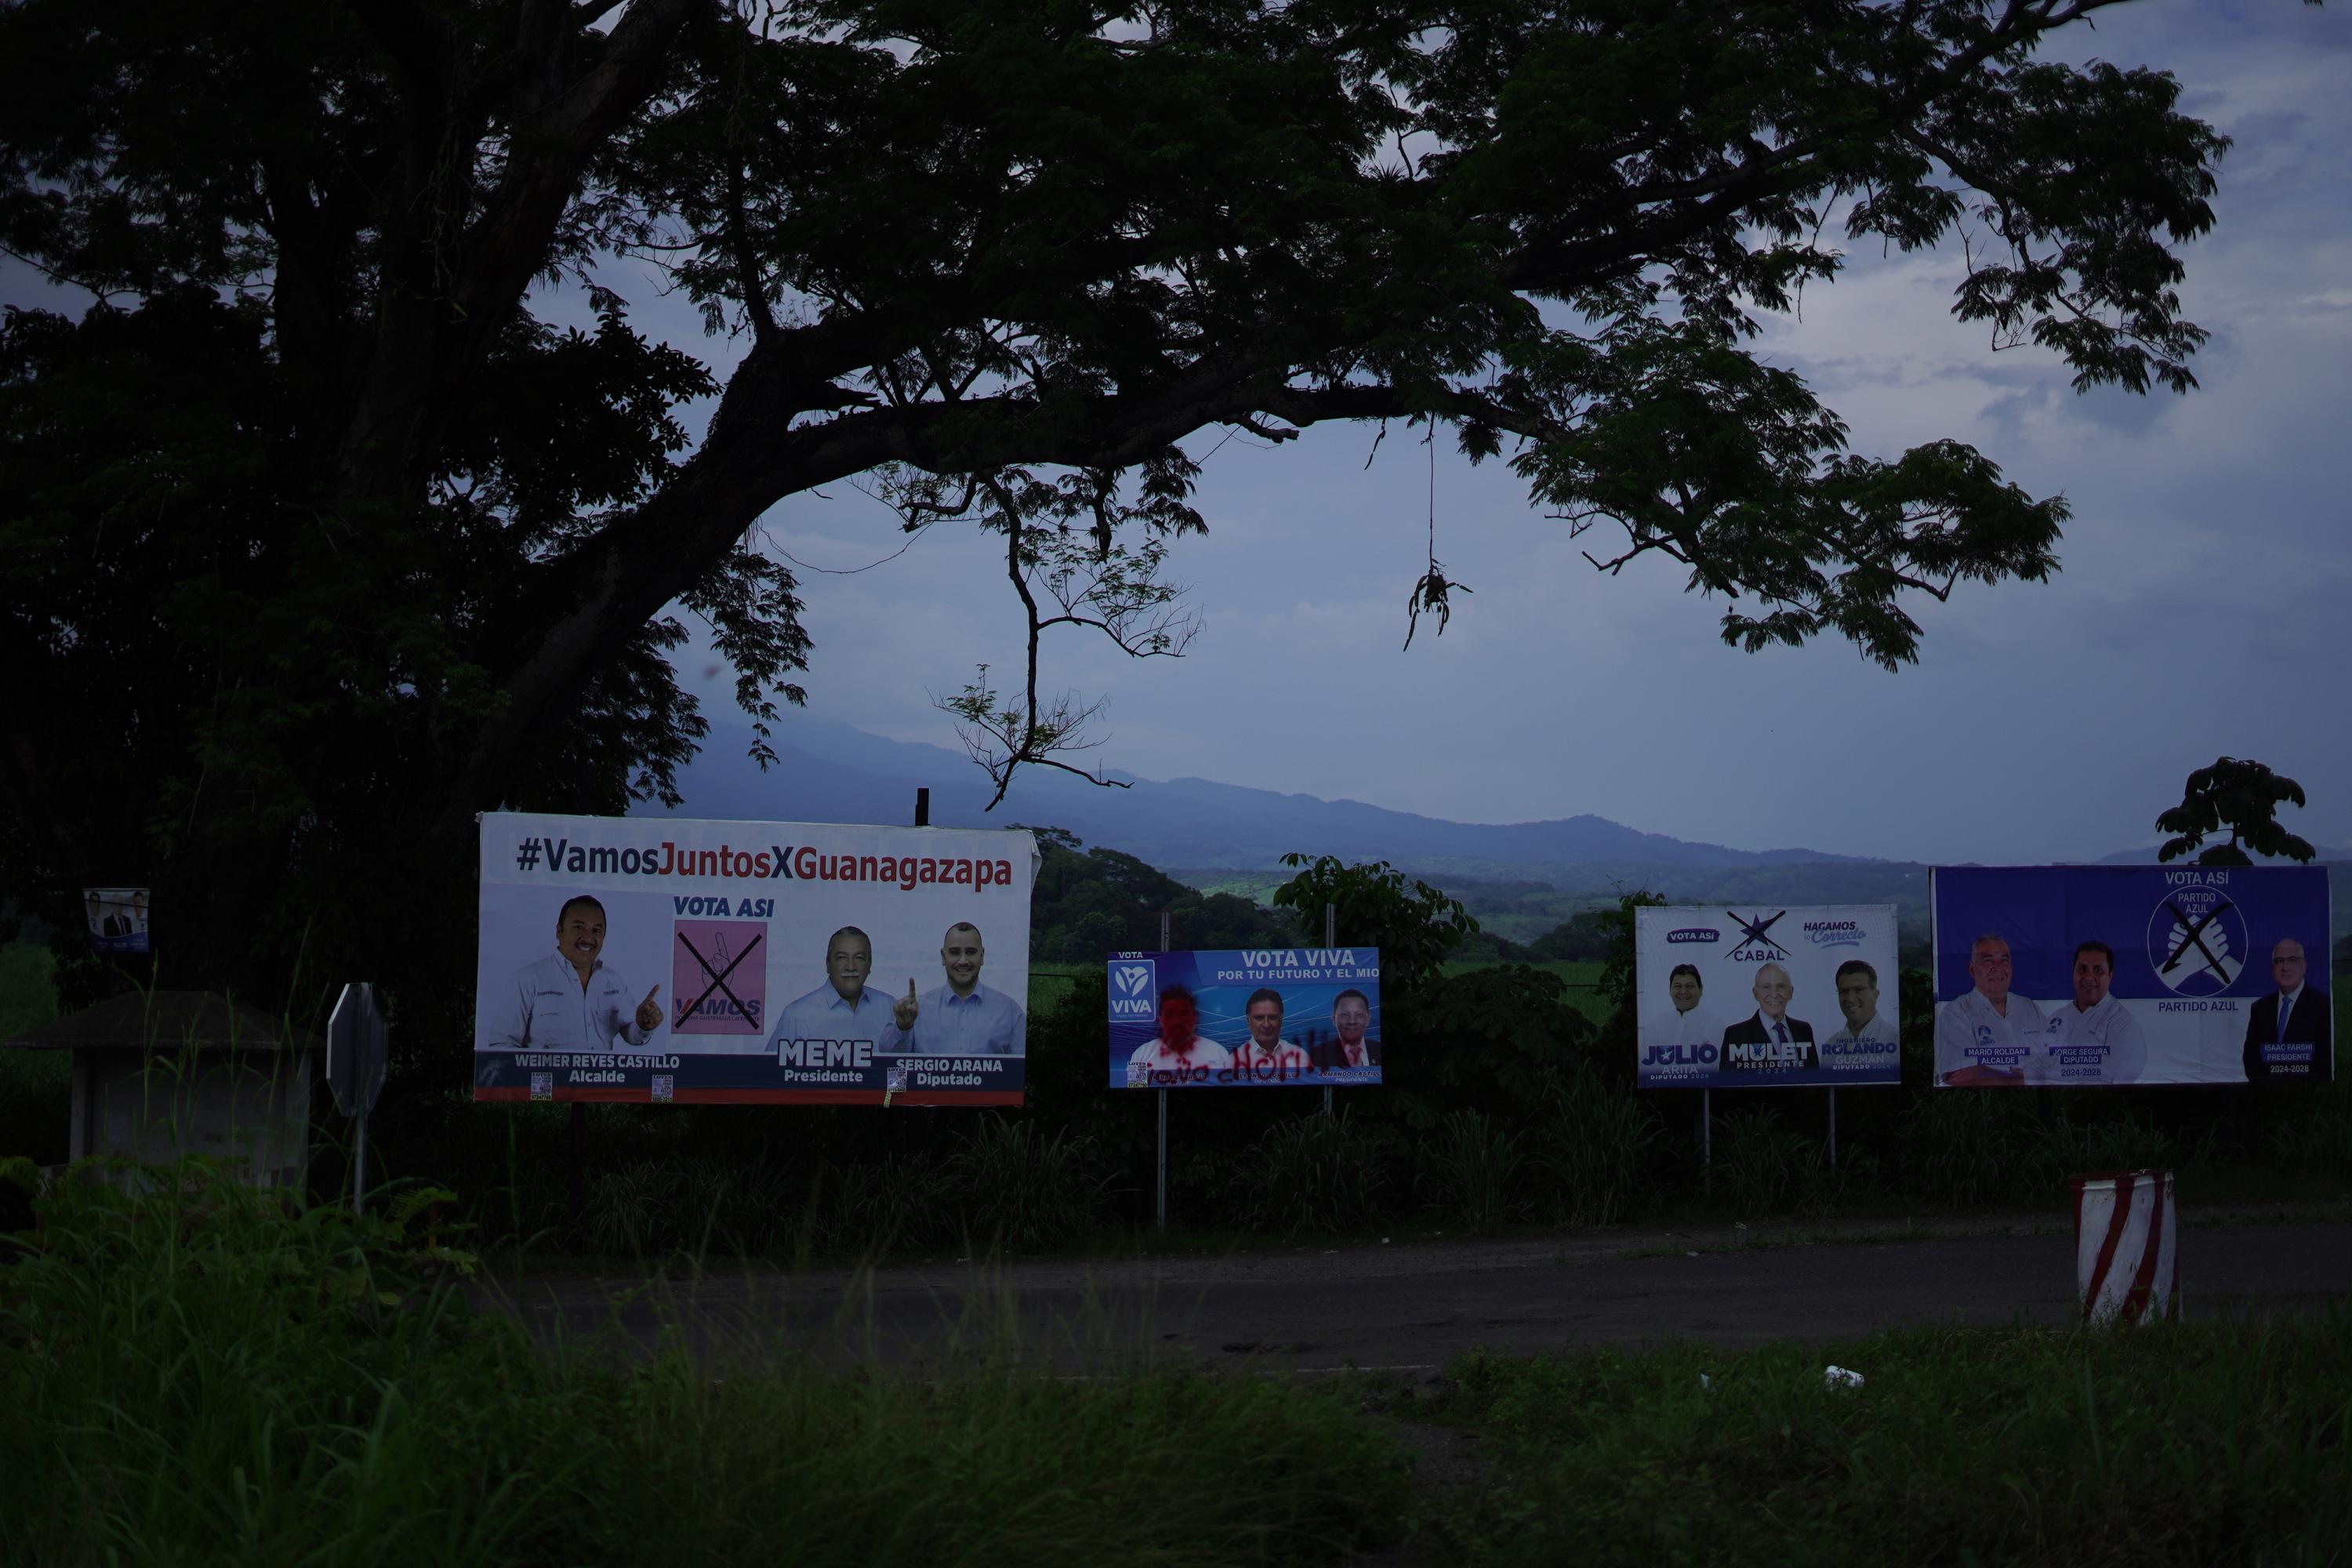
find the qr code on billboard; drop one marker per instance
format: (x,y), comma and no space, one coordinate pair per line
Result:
(664,1088)
(542,1086)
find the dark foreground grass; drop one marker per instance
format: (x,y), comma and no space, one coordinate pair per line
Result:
(200,1375)
(2189,1445)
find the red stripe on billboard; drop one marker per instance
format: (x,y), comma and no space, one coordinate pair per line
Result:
(516,1095)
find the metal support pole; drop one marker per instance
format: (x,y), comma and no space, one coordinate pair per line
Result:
(1330,939)
(1706,1128)
(359,1168)
(1833,1126)
(1160,1211)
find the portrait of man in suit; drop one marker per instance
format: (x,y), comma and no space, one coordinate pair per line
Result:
(2290,1033)
(1351,1015)
(1769,1037)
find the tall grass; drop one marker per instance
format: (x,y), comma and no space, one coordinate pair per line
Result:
(2185,1444)
(197,1373)
(1470,1174)
(1327,1174)
(1595,1145)
(1019,1186)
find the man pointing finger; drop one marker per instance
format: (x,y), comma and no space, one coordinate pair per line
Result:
(963,1018)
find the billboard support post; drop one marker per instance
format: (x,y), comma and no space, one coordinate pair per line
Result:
(1833,1126)
(1330,939)
(1706,1128)
(1160,1211)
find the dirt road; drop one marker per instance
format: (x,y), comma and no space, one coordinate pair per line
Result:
(1409,1308)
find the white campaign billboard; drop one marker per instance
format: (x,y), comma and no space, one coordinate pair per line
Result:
(661,960)
(1766,996)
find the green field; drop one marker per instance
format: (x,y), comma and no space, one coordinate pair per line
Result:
(1049,982)
(1581,979)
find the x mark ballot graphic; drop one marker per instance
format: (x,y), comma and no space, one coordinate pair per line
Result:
(1755,931)
(2195,938)
(717,978)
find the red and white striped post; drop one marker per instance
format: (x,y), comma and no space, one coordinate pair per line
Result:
(2126,1259)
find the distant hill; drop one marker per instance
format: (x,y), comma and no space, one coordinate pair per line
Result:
(1520,878)
(828,771)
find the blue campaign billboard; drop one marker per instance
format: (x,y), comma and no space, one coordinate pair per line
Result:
(2115,975)
(1259,1017)
(1767,997)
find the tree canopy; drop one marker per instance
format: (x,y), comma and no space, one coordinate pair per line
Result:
(2243,797)
(316,538)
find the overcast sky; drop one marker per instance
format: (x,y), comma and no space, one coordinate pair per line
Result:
(2200,609)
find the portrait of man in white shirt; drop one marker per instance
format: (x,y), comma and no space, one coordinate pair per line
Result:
(572,1000)
(1692,1025)
(1986,1038)
(2094,1039)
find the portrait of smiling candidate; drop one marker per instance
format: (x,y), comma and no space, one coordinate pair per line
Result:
(1985,1037)
(572,1000)
(1349,1046)
(1265,1056)
(845,1007)
(1857,994)
(963,1018)
(1691,1024)
(2095,1039)
(1769,1037)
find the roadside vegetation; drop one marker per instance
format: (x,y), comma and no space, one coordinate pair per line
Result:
(2181,1444)
(198,1374)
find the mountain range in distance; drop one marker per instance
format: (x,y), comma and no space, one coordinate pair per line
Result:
(829,771)
(1519,877)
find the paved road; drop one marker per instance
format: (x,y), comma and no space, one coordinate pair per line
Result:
(1415,1307)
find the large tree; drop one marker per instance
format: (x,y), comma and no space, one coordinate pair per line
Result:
(317,541)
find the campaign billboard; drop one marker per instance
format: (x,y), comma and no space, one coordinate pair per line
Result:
(118,919)
(1766,996)
(664,961)
(2111,975)
(1253,1018)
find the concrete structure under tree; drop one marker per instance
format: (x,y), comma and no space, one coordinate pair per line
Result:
(160,1074)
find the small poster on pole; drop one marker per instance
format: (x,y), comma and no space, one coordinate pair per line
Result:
(118,919)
